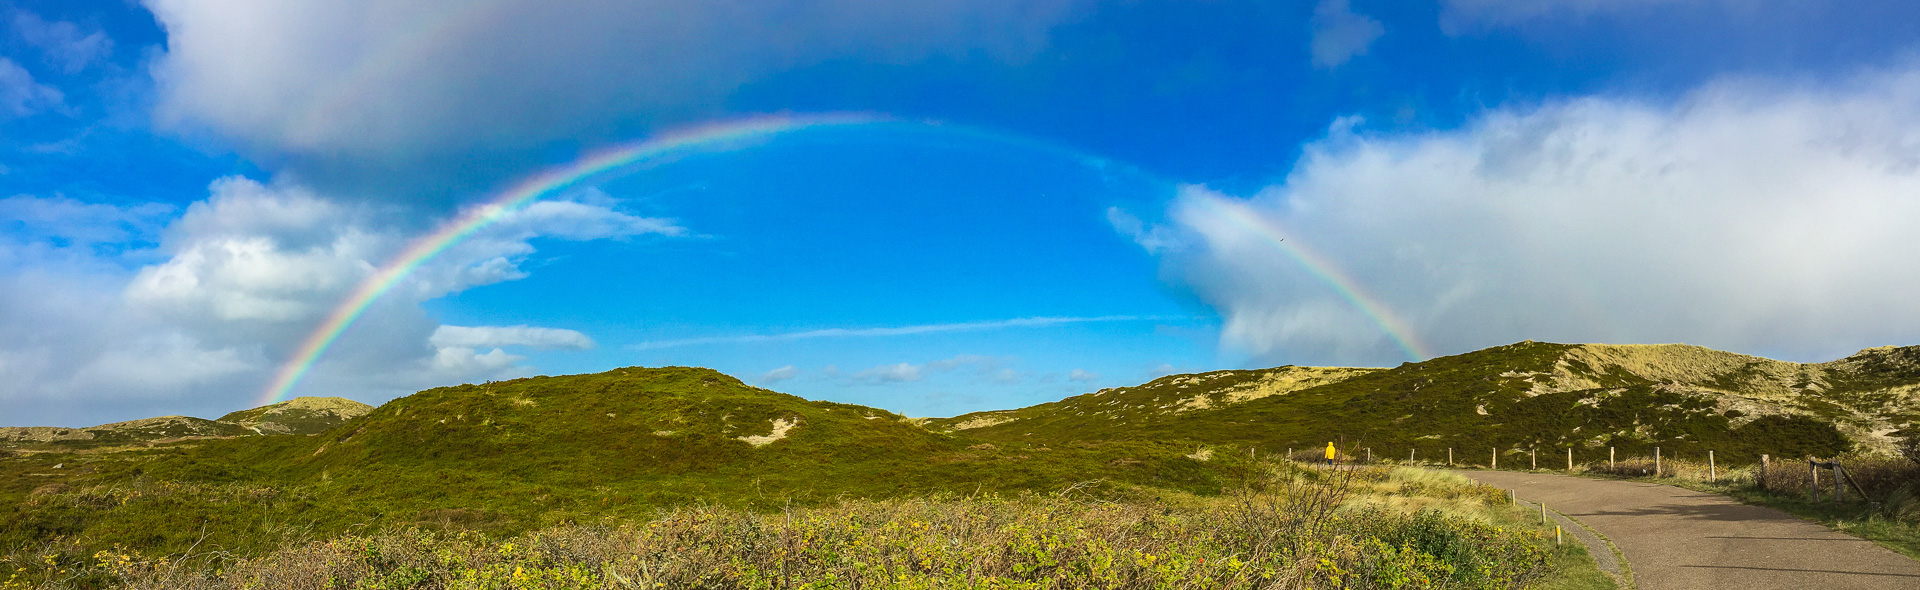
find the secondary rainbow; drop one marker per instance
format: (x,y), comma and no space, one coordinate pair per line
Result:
(739,132)
(1321,268)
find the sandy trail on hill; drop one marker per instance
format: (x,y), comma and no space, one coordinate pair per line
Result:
(1677,539)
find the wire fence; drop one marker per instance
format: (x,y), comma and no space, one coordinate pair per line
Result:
(1861,476)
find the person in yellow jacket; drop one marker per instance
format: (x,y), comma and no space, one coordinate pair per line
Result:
(1331,453)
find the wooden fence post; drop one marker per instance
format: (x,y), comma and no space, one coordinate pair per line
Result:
(1449,456)
(1839,489)
(1410,453)
(1569,459)
(1656,462)
(1494,463)
(1609,458)
(1713,473)
(1813,472)
(1763,470)
(1369,454)
(1534,454)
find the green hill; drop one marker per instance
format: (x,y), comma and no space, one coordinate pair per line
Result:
(1684,399)
(146,430)
(514,455)
(302,415)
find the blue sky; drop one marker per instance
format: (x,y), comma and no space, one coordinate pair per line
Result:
(1066,195)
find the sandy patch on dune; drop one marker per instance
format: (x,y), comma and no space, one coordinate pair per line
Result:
(780,428)
(984,421)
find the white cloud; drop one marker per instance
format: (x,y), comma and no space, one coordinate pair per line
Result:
(490,336)
(1154,239)
(895,373)
(251,252)
(395,83)
(1340,34)
(780,374)
(65,45)
(162,362)
(1082,375)
(1751,215)
(237,282)
(456,360)
(21,96)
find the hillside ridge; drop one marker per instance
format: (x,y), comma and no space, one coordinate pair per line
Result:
(297,416)
(1527,393)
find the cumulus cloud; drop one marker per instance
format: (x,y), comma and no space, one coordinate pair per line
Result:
(65,44)
(1082,375)
(70,334)
(252,252)
(1752,215)
(223,293)
(21,96)
(390,85)
(1340,34)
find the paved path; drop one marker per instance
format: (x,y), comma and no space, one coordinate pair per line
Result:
(1677,539)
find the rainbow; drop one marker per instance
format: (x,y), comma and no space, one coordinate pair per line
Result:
(1243,217)
(736,132)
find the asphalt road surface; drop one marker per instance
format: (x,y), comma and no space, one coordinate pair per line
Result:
(1677,539)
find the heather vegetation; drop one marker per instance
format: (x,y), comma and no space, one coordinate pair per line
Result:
(1289,527)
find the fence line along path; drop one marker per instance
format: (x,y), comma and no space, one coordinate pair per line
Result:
(1678,539)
